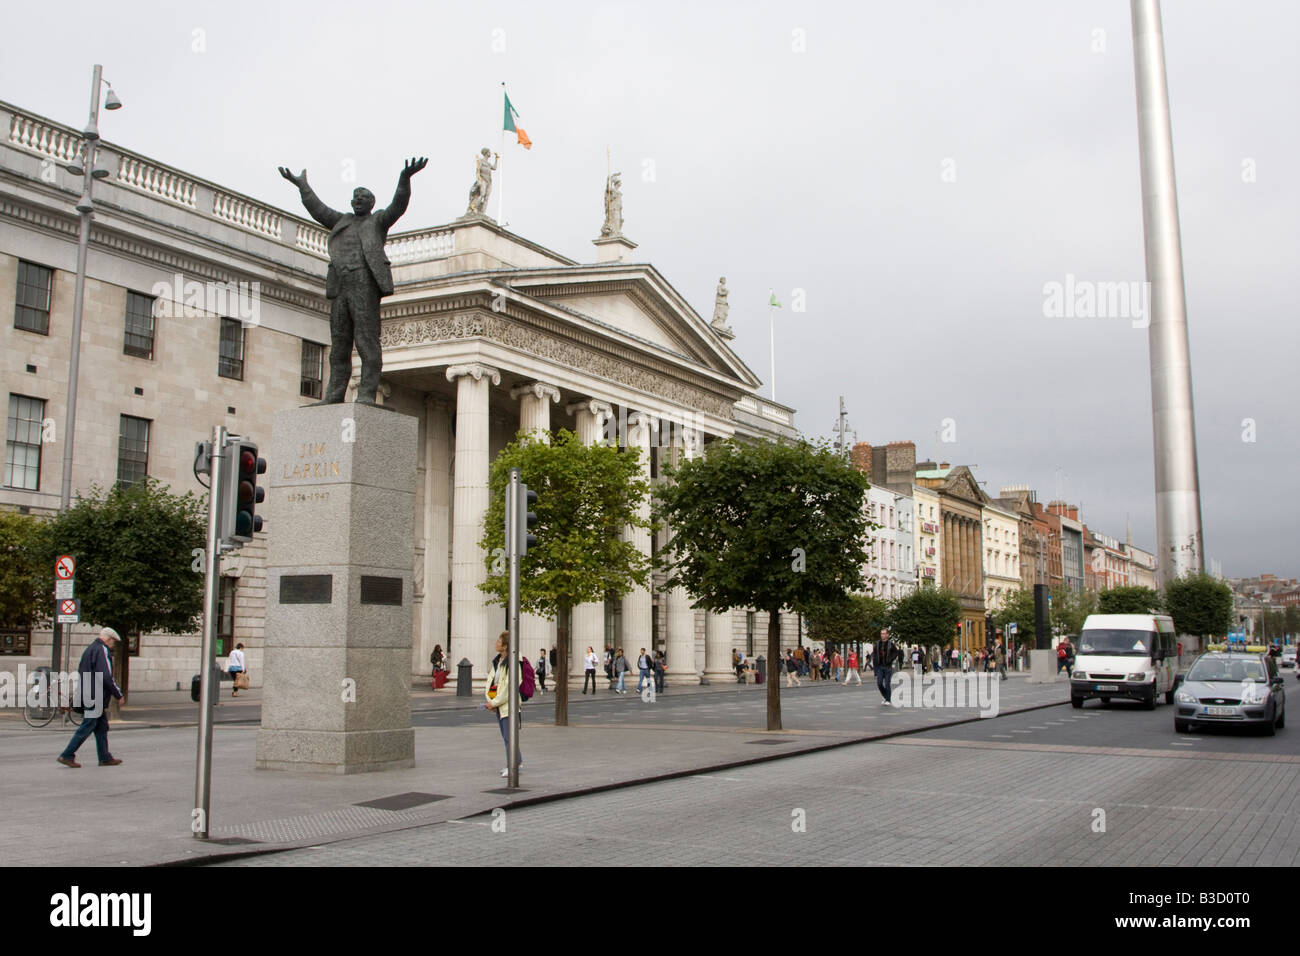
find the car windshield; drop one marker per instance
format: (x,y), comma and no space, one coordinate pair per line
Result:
(1117,643)
(1226,669)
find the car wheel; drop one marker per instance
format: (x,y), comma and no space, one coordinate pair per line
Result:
(1149,703)
(1281,719)
(1076,702)
(1105,702)
(1169,696)
(1182,726)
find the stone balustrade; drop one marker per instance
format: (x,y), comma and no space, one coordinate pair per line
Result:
(313,240)
(420,246)
(31,133)
(247,215)
(157,181)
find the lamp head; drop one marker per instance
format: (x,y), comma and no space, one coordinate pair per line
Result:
(111,102)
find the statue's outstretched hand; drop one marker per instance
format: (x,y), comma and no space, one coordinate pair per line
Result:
(300,180)
(414,165)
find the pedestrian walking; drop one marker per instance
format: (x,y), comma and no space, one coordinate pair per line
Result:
(589,670)
(621,667)
(660,665)
(851,672)
(497,696)
(609,665)
(886,654)
(94,686)
(1062,660)
(541,669)
(643,664)
(918,667)
(235,666)
(1000,652)
(738,662)
(838,663)
(955,657)
(791,670)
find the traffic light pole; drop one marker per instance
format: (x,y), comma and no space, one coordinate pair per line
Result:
(513,498)
(200,824)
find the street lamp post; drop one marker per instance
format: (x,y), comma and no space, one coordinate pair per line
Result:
(86,207)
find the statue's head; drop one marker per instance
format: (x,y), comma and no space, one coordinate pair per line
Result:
(485,152)
(363,200)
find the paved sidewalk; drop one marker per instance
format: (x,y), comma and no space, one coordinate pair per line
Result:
(139,813)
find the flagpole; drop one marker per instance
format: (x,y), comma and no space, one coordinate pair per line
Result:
(501,167)
(771,319)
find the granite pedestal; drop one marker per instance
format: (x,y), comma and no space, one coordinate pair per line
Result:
(340,551)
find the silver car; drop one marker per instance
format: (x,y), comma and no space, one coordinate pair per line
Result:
(1231,688)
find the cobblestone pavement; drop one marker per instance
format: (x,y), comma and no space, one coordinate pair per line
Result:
(1050,787)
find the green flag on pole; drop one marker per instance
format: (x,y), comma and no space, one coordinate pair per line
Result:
(773,301)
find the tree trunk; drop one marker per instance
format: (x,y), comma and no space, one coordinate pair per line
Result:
(773,662)
(562,667)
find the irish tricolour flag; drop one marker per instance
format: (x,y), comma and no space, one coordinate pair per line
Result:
(510,126)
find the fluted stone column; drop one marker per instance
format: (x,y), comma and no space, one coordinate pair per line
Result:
(535,419)
(717,647)
(587,625)
(637,616)
(437,530)
(680,646)
(472,633)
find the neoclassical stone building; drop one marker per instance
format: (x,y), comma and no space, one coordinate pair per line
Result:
(204,306)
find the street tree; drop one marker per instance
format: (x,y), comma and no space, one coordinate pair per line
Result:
(587,495)
(1129,600)
(765,525)
(1199,604)
(852,619)
(926,616)
(1018,609)
(137,548)
(1070,608)
(25,584)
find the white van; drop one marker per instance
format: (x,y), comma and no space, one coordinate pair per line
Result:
(1133,656)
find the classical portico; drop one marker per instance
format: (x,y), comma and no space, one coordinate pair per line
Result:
(488,335)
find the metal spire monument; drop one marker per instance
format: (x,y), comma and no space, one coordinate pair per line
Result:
(1179,545)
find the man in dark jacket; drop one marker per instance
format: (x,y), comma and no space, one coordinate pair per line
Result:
(95,686)
(886,655)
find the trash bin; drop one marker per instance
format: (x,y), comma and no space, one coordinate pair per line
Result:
(760,669)
(439,679)
(464,678)
(196,685)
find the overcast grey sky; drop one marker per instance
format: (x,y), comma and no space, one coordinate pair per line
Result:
(804,146)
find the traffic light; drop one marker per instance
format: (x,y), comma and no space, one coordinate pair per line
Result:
(239,518)
(527,519)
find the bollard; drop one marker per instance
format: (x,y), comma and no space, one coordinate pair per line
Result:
(464,678)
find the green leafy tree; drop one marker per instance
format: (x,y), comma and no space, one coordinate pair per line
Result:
(1291,620)
(25,584)
(769,526)
(135,548)
(1071,608)
(1199,604)
(1129,600)
(1017,608)
(586,496)
(851,620)
(926,616)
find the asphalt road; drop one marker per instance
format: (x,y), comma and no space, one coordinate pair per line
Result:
(1054,786)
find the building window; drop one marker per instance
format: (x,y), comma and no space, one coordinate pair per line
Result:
(138,340)
(226,616)
(230,363)
(23,443)
(132,449)
(313,368)
(32,304)
(749,633)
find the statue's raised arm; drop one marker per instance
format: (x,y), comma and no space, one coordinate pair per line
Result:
(322,213)
(402,197)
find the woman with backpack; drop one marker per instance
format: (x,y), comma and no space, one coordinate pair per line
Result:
(497,696)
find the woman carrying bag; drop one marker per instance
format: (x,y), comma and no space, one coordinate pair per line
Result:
(235,665)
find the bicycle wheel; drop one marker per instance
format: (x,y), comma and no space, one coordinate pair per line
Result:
(75,717)
(39,715)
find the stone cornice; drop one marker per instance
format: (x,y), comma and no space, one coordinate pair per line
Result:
(127,245)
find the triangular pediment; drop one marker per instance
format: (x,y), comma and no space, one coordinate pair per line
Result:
(961,483)
(636,302)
